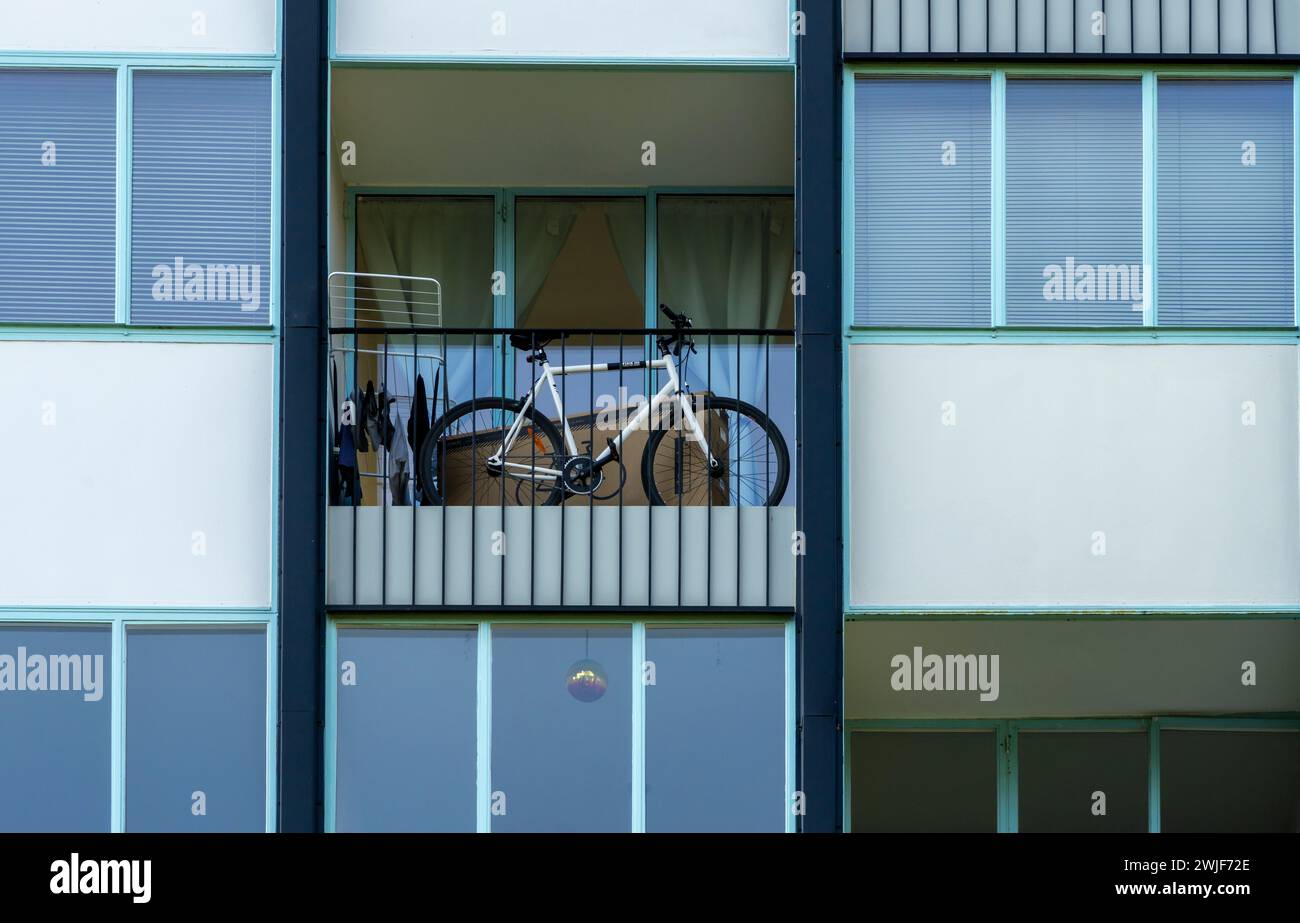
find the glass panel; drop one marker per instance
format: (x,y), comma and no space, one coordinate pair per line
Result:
(1226,188)
(448,238)
(726,262)
(924,781)
(201,198)
(1061,774)
(580,265)
(406,736)
(1074,202)
(58,189)
(1230,781)
(55,714)
(561,729)
(715,730)
(196,730)
(923,214)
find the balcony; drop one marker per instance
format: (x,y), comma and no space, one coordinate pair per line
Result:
(501,467)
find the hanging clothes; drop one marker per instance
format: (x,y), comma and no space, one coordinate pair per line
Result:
(399,461)
(417,427)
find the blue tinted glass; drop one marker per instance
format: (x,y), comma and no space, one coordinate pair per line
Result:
(406,738)
(55,712)
(201,198)
(1226,190)
(562,729)
(196,723)
(1074,203)
(715,729)
(922,213)
(58,180)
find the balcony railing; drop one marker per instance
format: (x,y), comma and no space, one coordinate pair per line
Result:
(642,468)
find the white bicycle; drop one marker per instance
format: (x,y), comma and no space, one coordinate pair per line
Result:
(494,450)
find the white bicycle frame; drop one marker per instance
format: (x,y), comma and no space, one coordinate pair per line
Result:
(671,390)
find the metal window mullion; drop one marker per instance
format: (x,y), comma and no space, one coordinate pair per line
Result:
(117,729)
(483,720)
(1150,202)
(331,726)
(998,89)
(1153,776)
(638,726)
(122,284)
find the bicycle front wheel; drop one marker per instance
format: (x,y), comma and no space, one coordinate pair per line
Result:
(754,463)
(461,462)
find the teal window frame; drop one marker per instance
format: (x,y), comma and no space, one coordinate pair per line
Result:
(1008,748)
(503,260)
(997,329)
(483,696)
(125,67)
(118,621)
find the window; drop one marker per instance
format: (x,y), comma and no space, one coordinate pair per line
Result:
(715,730)
(924,781)
(1074,202)
(1229,781)
(201,198)
(561,729)
(597,727)
(55,714)
(580,265)
(1226,202)
(405,749)
(196,730)
(1116,201)
(1083,782)
(58,187)
(922,178)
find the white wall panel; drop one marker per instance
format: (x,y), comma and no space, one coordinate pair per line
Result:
(210,26)
(116,456)
(634,29)
(1053,444)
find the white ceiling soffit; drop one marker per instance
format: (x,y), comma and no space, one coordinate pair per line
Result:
(438,127)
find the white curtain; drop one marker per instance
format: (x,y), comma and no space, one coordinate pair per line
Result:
(451,239)
(541,230)
(727,262)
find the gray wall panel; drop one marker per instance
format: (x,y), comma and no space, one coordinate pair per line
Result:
(1175,26)
(1287,28)
(943,26)
(973,26)
(885,25)
(1064,27)
(1060,26)
(1002,26)
(1031,26)
(1205,26)
(915,25)
(1232,27)
(1119,26)
(857,24)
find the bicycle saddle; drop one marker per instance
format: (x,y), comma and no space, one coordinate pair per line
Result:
(536,339)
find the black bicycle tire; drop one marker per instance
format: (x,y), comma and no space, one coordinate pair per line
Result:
(741,408)
(424,464)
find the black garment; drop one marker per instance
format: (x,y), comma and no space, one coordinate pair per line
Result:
(417,427)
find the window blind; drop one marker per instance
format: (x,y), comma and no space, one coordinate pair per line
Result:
(201,199)
(1226,201)
(922,184)
(1074,203)
(58,188)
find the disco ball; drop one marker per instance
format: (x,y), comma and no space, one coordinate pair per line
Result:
(586,681)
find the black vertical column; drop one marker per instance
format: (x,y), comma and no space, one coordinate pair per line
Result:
(302,430)
(818,128)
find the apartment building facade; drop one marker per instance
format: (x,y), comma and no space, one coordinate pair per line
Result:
(373,480)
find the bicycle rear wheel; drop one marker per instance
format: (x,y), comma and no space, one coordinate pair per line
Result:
(755,463)
(453,464)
